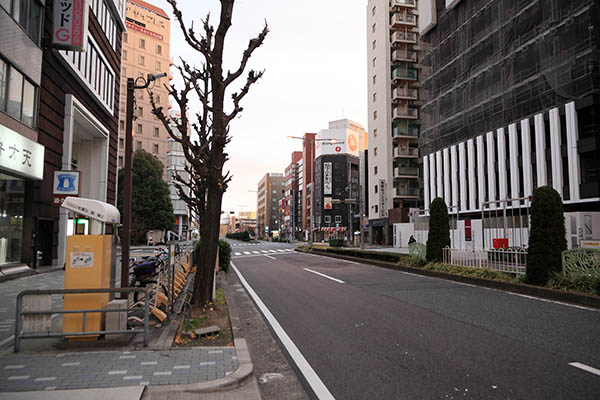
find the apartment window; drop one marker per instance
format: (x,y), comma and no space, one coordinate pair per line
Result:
(139,129)
(375,114)
(158,49)
(374,27)
(374,61)
(124,54)
(121,143)
(373,11)
(28,14)
(375,169)
(376,188)
(155,148)
(158,99)
(374,79)
(157,65)
(17,95)
(122,124)
(328,219)
(375,132)
(338,219)
(376,209)
(138,145)
(141,60)
(155,131)
(374,97)
(374,44)
(375,151)
(142,44)
(124,72)
(121,162)
(140,111)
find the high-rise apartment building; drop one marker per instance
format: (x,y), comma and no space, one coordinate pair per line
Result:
(146,51)
(393,119)
(290,225)
(512,99)
(268,198)
(306,172)
(176,167)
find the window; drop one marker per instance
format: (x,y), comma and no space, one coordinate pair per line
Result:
(158,49)
(142,44)
(141,60)
(375,114)
(17,95)
(375,151)
(158,99)
(375,132)
(28,14)
(124,54)
(157,65)
(374,27)
(121,162)
(121,143)
(374,79)
(374,44)
(155,148)
(125,37)
(328,219)
(138,145)
(122,125)
(338,219)
(155,131)
(376,209)
(139,129)
(140,111)
(375,169)
(373,11)
(374,97)
(374,61)
(376,188)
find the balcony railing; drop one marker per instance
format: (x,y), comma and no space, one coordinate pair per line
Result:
(405,128)
(403,19)
(404,55)
(405,112)
(404,37)
(404,73)
(406,152)
(406,192)
(405,93)
(400,172)
(404,3)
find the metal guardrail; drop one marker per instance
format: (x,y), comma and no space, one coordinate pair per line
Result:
(505,260)
(19,335)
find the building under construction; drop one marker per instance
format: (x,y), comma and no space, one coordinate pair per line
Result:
(511,101)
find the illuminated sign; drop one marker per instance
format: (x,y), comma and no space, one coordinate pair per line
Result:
(143,30)
(70,25)
(20,155)
(327,178)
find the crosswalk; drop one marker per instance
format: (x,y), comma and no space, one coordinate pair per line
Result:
(262,252)
(245,244)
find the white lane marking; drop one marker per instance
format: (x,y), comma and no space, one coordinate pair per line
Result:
(126,357)
(215,352)
(272,251)
(159,373)
(117,372)
(256,252)
(45,379)
(71,364)
(310,375)
(323,275)
(18,378)
(550,301)
(272,258)
(50,388)
(14,367)
(264,251)
(132,378)
(149,363)
(182,367)
(585,368)
(7,340)
(237,253)
(281,251)
(349,262)
(246,252)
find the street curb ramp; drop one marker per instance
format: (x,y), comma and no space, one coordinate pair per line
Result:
(521,288)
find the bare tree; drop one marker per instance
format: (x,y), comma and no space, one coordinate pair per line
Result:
(204,182)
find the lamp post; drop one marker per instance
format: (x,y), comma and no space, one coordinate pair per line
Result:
(126,233)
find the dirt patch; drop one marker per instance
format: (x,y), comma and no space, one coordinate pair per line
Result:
(215,313)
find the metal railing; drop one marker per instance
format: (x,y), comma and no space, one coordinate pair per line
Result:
(20,334)
(504,260)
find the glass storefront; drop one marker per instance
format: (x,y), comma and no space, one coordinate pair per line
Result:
(12,193)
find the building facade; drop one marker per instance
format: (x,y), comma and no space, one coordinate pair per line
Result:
(21,156)
(269,195)
(290,226)
(306,172)
(512,99)
(176,166)
(393,119)
(146,49)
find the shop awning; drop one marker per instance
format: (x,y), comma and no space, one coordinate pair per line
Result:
(94,209)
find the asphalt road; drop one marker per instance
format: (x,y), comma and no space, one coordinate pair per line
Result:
(374,333)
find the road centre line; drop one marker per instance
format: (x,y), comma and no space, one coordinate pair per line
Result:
(585,368)
(310,375)
(272,258)
(323,275)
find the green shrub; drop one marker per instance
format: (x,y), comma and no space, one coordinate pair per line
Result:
(575,283)
(275,239)
(416,262)
(547,235)
(224,254)
(243,236)
(371,255)
(439,230)
(485,273)
(335,242)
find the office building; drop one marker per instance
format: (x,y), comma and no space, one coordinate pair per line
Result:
(290,226)
(176,166)
(269,195)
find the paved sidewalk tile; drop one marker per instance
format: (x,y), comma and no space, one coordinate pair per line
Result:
(82,370)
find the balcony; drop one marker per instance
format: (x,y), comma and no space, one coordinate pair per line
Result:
(405,112)
(404,37)
(405,93)
(404,55)
(406,191)
(405,129)
(404,3)
(403,19)
(406,152)
(404,73)
(406,172)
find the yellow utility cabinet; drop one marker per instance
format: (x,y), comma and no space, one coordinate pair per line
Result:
(88,263)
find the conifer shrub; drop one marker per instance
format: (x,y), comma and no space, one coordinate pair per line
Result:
(439,230)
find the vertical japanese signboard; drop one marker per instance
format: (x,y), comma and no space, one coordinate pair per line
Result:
(70,24)
(327,180)
(382,199)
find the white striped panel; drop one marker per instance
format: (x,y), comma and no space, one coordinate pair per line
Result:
(426,199)
(502,178)
(491,170)
(540,150)
(432,190)
(471,174)
(526,158)
(513,149)
(446,160)
(572,153)
(555,141)
(480,171)
(462,173)
(438,166)
(454,174)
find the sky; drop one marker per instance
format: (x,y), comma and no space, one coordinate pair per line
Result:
(315,65)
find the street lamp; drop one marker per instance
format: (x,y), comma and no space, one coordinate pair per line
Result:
(126,233)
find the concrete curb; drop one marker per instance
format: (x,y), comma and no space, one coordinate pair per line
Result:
(236,379)
(521,288)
